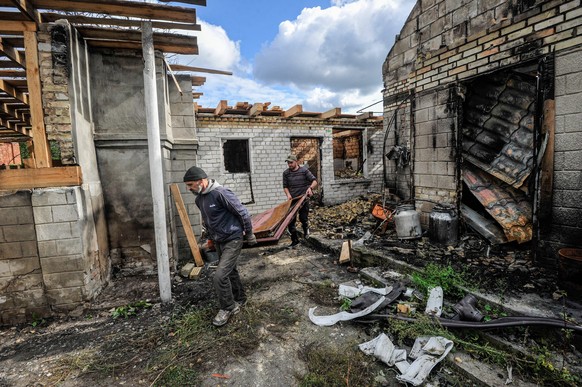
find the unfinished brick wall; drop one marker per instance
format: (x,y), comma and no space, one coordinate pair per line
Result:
(22,293)
(567,199)
(54,67)
(270,143)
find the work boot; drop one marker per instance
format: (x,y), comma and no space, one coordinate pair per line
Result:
(223,315)
(294,244)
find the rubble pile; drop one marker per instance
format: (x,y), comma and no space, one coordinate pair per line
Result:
(509,268)
(347,220)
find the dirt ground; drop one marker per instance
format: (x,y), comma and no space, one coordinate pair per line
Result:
(271,342)
(99,350)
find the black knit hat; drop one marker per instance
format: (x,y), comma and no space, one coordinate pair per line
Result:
(195,173)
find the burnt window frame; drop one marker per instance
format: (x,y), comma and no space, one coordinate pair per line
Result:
(226,165)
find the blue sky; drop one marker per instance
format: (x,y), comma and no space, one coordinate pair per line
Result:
(321,54)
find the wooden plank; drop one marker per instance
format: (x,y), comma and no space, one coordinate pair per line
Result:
(179,67)
(77,20)
(187,225)
(221,108)
(293,111)
(15,179)
(168,48)
(17,26)
(193,2)
(41,146)
(198,81)
(28,10)
(331,113)
(122,8)
(346,253)
(11,52)
(256,109)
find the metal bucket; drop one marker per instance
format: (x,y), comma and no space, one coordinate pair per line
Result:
(407,222)
(443,224)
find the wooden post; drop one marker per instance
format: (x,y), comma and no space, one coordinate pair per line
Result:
(186,223)
(42,154)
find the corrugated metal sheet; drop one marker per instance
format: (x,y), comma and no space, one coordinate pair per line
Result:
(507,205)
(498,125)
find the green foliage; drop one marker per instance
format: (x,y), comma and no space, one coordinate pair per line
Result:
(37,320)
(24,152)
(492,312)
(346,304)
(444,276)
(130,309)
(55,150)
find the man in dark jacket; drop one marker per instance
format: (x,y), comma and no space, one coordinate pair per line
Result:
(298,181)
(227,223)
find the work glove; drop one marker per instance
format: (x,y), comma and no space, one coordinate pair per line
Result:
(250,239)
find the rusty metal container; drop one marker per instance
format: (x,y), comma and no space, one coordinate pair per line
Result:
(407,222)
(443,224)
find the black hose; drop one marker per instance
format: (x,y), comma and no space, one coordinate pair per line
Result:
(497,323)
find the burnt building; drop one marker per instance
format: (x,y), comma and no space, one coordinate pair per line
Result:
(482,107)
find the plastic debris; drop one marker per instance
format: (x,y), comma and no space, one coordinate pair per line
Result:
(352,290)
(434,304)
(326,321)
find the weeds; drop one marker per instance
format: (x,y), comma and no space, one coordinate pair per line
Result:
(446,277)
(328,367)
(130,309)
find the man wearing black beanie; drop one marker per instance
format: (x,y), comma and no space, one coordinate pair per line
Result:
(227,223)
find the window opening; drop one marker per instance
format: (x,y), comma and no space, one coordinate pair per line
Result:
(236,156)
(348,160)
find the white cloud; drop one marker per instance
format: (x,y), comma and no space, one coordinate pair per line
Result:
(337,48)
(216,50)
(324,58)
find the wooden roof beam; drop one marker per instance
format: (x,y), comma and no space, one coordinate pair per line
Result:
(17,26)
(331,113)
(221,108)
(122,8)
(77,20)
(256,109)
(12,53)
(198,81)
(14,179)
(12,91)
(178,67)
(293,111)
(193,2)
(28,10)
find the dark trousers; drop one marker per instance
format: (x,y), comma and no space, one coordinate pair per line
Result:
(303,218)
(227,283)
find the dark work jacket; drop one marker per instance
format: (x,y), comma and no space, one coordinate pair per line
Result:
(223,214)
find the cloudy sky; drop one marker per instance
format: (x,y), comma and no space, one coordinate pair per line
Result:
(321,54)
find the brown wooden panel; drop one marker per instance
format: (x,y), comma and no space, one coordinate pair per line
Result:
(15,179)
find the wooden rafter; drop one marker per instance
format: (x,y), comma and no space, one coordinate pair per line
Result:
(293,111)
(177,67)
(77,20)
(28,10)
(119,8)
(11,52)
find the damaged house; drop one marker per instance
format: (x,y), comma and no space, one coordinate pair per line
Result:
(73,94)
(484,98)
